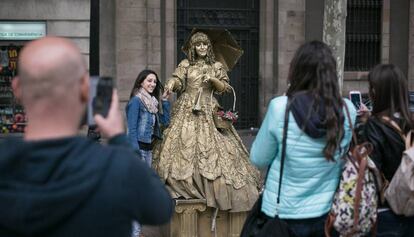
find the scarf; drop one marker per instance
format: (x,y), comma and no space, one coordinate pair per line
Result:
(149,101)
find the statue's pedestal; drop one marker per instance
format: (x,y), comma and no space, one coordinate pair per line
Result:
(192,218)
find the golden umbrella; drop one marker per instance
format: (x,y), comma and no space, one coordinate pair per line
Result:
(225,47)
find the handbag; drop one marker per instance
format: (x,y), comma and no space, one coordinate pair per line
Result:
(354,207)
(257,223)
(400,192)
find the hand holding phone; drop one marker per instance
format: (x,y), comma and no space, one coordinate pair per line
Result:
(100,97)
(113,124)
(364,113)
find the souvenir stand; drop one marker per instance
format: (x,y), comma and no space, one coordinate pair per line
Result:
(13,36)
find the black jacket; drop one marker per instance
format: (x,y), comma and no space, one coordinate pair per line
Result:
(388,146)
(76,187)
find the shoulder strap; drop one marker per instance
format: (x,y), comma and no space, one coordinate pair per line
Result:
(354,139)
(407,138)
(387,120)
(283,155)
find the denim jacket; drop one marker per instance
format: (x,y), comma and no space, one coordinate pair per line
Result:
(141,125)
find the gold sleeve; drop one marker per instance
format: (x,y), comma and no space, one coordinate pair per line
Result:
(221,75)
(177,82)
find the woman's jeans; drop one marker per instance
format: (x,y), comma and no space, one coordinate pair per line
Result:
(390,225)
(136,229)
(146,156)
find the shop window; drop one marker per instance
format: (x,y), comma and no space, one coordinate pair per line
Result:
(12,116)
(363,34)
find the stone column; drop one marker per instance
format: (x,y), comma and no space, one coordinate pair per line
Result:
(168,39)
(334,24)
(268,81)
(107,62)
(131,43)
(411,48)
(188,212)
(291,36)
(385,36)
(236,221)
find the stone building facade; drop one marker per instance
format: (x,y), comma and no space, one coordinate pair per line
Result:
(63,18)
(138,34)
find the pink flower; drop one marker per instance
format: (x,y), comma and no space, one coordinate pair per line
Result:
(228,115)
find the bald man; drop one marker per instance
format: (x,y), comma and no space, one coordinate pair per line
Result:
(55,183)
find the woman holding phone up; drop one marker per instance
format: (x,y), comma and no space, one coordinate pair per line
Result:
(388,91)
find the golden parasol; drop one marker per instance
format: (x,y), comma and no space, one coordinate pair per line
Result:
(225,47)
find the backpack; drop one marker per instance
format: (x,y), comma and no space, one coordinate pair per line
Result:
(354,207)
(400,192)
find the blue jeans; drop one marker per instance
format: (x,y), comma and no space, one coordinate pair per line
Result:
(146,156)
(136,229)
(390,225)
(311,227)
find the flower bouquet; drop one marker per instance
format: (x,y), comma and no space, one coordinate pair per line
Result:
(224,119)
(228,115)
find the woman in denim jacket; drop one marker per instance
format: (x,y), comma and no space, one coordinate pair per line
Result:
(145,115)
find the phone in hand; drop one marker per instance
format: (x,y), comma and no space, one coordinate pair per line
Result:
(356,98)
(100,97)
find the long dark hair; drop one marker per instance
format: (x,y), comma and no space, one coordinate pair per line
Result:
(388,91)
(313,70)
(140,78)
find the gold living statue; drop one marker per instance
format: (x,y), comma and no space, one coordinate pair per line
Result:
(195,159)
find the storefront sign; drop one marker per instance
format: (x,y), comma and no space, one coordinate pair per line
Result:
(24,30)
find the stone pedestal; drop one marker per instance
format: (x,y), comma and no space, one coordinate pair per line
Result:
(192,218)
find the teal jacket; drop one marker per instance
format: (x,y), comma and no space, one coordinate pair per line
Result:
(309,180)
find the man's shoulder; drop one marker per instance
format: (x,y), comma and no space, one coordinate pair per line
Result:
(121,156)
(116,152)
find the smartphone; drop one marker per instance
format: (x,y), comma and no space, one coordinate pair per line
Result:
(100,97)
(355,97)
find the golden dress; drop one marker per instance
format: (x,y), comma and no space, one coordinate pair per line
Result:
(195,159)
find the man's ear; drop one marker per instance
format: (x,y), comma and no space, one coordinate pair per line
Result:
(17,90)
(85,88)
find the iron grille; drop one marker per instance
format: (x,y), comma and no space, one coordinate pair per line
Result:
(241,18)
(363,34)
